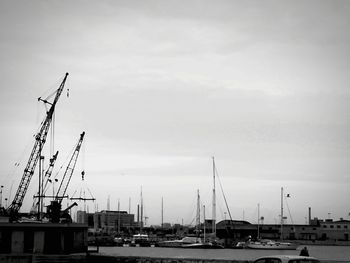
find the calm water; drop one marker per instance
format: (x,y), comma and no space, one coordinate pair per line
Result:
(336,253)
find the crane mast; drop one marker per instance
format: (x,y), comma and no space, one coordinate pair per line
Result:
(40,140)
(69,171)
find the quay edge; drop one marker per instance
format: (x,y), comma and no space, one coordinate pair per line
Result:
(99,258)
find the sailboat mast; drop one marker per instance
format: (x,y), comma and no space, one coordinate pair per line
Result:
(162,214)
(118,216)
(214,200)
(203,223)
(281,213)
(258,221)
(141,216)
(198,216)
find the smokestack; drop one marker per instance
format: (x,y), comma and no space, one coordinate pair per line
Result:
(309,215)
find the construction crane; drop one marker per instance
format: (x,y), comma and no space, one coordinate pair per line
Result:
(44,187)
(54,211)
(40,139)
(82,196)
(69,171)
(49,171)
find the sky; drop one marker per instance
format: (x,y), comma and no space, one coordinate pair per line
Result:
(160,87)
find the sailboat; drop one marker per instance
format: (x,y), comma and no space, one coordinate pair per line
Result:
(187,241)
(203,243)
(197,241)
(271,244)
(207,243)
(140,240)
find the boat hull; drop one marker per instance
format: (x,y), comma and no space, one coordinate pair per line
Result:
(203,246)
(170,244)
(273,245)
(180,242)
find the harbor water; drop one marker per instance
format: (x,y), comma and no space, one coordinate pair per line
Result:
(323,253)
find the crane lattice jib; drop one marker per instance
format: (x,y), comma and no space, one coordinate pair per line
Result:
(47,176)
(69,171)
(40,140)
(49,170)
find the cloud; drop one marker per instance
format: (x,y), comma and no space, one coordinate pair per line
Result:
(160,87)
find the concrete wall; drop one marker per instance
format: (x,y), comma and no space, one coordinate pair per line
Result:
(46,238)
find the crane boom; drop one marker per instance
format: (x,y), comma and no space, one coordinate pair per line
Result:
(69,171)
(49,171)
(40,140)
(47,176)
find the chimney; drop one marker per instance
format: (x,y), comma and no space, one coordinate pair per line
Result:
(309,215)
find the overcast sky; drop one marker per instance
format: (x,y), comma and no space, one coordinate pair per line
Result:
(160,87)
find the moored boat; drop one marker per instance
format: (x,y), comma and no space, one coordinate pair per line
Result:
(271,244)
(140,240)
(179,242)
(205,245)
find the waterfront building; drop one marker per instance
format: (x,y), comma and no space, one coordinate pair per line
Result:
(336,230)
(166,225)
(85,218)
(235,229)
(113,221)
(327,231)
